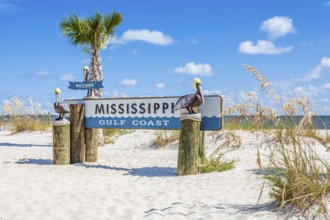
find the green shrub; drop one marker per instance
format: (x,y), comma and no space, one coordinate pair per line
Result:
(216,164)
(302,177)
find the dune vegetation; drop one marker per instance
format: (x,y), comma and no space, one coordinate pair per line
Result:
(21,116)
(297,175)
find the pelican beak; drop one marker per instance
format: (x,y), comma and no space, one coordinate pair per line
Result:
(85,75)
(200,89)
(199,86)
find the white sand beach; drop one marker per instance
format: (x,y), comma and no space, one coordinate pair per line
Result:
(131,180)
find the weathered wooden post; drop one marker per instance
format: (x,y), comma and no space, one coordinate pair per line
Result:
(189,144)
(91,136)
(201,149)
(98,132)
(92,139)
(77,139)
(61,142)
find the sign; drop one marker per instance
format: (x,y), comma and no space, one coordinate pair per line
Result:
(86,85)
(146,113)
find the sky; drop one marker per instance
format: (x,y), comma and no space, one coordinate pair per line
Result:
(162,45)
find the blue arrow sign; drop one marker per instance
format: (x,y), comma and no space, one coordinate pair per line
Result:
(86,85)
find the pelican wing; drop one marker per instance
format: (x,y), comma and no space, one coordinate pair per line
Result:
(198,101)
(61,108)
(185,101)
(65,108)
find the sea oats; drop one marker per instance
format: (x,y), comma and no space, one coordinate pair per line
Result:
(264,84)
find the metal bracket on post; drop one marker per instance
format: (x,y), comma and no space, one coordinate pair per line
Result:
(193,117)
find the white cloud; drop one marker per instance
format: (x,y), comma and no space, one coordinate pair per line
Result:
(212,92)
(310,90)
(283,84)
(328,3)
(313,74)
(278,26)
(326,86)
(128,82)
(262,47)
(67,77)
(160,85)
(300,89)
(43,73)
(316,72)
(152,37)
(313,90)
(195,69)
(325,62)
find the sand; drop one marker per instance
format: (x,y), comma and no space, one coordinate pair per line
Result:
(131,180)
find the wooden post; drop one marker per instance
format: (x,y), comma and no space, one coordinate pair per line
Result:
(100,139)
(189,144)
(61,142)
(77,143)
(201,149)
(91,144)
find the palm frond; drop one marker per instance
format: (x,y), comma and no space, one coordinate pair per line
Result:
(92,32)
(111,21)
(74,27)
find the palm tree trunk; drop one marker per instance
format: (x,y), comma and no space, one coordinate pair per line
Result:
(96,74)
(96,70)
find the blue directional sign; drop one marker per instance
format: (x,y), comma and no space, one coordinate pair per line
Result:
(86,85)
(146,113)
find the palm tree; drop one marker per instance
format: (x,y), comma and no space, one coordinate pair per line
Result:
(92,34)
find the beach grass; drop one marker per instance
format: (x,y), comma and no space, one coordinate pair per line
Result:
(26,116)
(110,135)
(301,178)
(163,138)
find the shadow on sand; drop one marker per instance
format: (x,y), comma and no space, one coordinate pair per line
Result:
(187,209)
(143,171)
(35,161)
(24,145)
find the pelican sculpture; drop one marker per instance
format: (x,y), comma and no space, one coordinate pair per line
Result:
(191,100)
(60,108)
(86,73)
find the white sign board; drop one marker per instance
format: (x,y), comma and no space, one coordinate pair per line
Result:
(146,113)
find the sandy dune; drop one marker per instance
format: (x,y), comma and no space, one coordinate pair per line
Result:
(131,180)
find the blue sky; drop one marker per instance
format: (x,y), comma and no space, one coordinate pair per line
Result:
(162,45)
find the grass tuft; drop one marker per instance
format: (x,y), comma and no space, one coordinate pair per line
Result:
(25,117)
(216,164)
(301,177)
(165,137)
(110,135)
